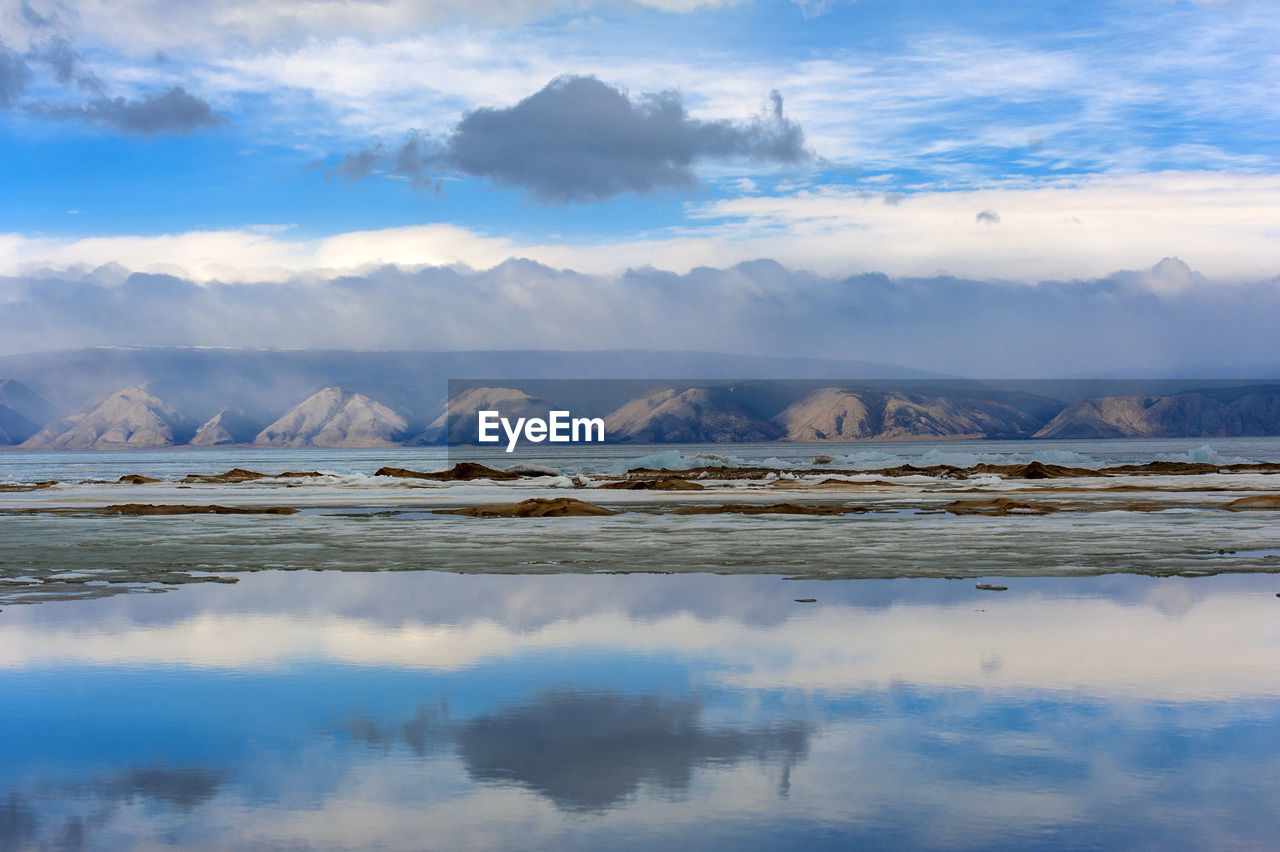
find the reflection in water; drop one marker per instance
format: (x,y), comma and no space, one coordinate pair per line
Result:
(79,813)
(354,711)
(18,822)
(588,751)
(182,788)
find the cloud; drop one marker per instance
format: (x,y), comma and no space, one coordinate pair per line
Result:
(32,18)
(1082,227)
(143,26)
(989,217)
(358,164)
(1220,224)
(63,61)
(59,56)
(174,110)
(13,77)
(579,139)
(814,8)
(1162,318)
(946,106)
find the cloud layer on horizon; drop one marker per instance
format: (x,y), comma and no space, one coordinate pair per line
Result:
(1220,224)
(989,329)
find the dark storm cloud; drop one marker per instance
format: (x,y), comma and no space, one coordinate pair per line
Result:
(960,326)
(579,139)
(13,77)
(174,110)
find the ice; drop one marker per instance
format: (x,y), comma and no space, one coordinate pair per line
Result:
(868,459)
(674,460)
(872,459)
(1203,454)
(713,460)
(531,469)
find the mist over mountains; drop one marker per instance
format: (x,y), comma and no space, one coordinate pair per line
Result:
(120,398)
(262,382)
(1164,318)
(214,396)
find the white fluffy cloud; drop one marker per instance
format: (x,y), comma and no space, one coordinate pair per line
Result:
(1221,225)
(143,26)
(358,69)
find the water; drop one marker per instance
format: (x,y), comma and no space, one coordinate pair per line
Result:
(31,466)
(369,673)
(436,710)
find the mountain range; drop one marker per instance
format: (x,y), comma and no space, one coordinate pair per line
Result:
(384,409)
(201,381)
(134,418)
(1218,411)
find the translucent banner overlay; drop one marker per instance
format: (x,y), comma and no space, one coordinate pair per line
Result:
(511,419)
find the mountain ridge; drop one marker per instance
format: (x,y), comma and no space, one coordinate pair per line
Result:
(130,418)
(645,411)
(332,417)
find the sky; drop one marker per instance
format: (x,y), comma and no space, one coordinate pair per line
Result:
(839,179)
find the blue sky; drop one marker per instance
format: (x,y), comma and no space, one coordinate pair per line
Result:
(894,97)
(243,141)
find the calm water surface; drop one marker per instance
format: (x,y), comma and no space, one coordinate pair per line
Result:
(69,467)
(435,710)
